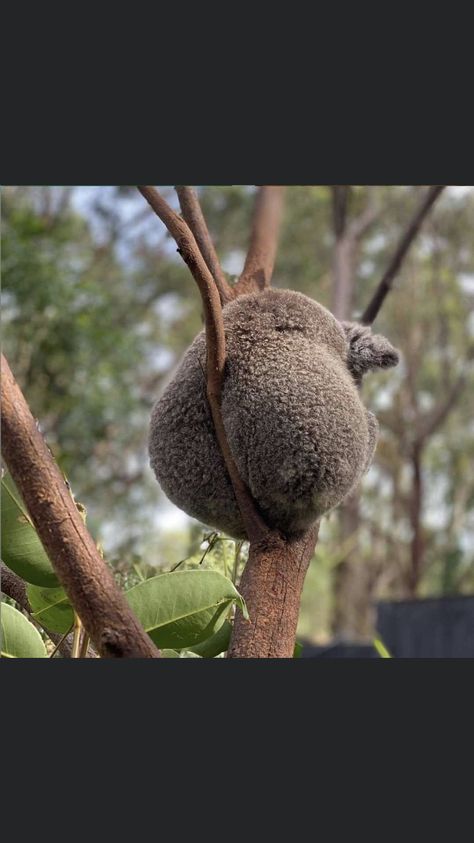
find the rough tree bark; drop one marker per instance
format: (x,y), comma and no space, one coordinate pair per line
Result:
(86,578)
(273,578)
(192,213)
(260,260)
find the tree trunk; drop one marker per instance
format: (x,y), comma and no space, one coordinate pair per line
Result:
(417,539)
(271,584)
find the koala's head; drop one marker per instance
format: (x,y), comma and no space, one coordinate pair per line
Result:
(288,313)
(367,351)
(276,312)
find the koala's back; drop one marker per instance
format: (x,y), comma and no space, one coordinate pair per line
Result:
(294,420)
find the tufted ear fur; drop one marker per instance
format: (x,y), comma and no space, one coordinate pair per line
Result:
(367,350)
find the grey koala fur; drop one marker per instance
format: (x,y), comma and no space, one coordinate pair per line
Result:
(295,422)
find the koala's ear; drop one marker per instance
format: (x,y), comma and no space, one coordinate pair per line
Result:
(367,350)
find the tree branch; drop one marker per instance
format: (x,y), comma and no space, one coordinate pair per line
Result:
(192,213)
(347,238)
(215,348)
(272,583)
(260,258)
(362,223)
(274,574)
(413,227)
(436,418)
(85,576)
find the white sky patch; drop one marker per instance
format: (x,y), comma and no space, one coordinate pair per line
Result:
(234,262)
(459,191)
(171,518)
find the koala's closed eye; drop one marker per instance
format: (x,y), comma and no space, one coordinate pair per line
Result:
(367,350)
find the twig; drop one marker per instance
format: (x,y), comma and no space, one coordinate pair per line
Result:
(76,640)
(14,587)
(192,213)
(61,641)
(413,227)
(260,258)
(86,578)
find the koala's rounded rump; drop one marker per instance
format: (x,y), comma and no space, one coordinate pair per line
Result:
(295,423)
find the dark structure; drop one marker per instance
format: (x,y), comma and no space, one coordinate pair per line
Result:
(434,628)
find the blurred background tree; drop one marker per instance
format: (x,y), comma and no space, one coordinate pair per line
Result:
(98,308)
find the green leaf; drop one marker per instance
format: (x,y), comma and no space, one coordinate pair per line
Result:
(51,608)
(298,650)
(381,648)
(179,610)
(19,638)
(217,643)
(22,550)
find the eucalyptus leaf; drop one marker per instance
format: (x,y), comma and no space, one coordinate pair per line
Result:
(51,608)
(19,638)
(216,644)
(181,609)
(381,649)
(22,550)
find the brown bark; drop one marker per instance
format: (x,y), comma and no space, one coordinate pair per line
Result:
(271,584)
(86,578)
(274,574)
(260,260)
(192,213)
(416,502)
(409,235)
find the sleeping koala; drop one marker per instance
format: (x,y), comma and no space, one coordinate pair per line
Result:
(297,428)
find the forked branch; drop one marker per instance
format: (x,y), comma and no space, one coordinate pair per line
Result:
(192,213)
(215,347)
(261,255)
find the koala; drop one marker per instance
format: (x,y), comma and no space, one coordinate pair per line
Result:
(297,428)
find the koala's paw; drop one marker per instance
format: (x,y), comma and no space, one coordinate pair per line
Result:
(367,350)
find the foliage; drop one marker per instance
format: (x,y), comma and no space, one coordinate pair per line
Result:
(19,638)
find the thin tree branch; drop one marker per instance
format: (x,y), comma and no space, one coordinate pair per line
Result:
(14,587)
(86,578)
(260,258)
(435,419)
(215,347)
(366,218)
(192,213)
(413,227)
(340,200)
